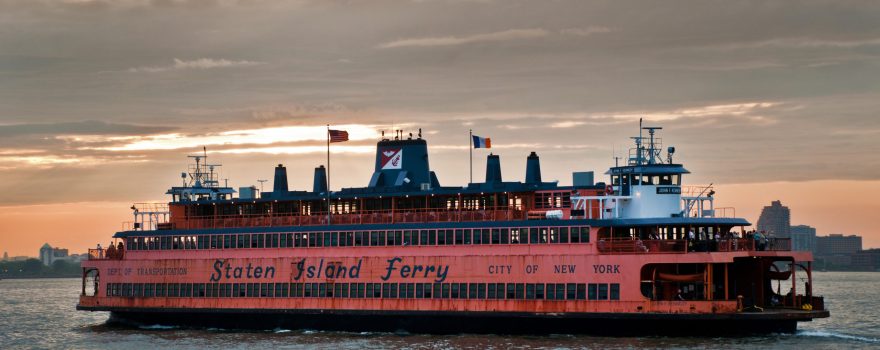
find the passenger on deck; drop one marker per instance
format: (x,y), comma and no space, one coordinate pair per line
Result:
(774,300)
(100,252)
(111,251)
(690,239)
(679,296)
(716,241)
(120,250)
(759,240)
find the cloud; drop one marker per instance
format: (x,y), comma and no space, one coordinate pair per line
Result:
(567,124)
(201,63)
(88,127)
(585,31)
(312,149)
(801,43)
(263,136)
(750,111)
(506,35)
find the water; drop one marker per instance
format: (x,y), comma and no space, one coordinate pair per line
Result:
(40,313)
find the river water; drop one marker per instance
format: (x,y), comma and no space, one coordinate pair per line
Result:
(39,313)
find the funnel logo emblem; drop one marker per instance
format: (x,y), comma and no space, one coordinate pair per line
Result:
(392,159)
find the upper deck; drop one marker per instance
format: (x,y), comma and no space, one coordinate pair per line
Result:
(642,197)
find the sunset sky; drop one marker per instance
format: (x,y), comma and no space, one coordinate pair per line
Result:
(101,101)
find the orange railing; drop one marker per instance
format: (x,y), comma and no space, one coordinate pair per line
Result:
(637,246)
(640,246)
(360,218)
(106,254)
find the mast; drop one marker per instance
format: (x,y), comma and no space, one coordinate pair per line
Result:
(328,174)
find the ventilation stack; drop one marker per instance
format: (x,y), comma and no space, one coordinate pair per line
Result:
(493,169)
(279,187)
(533,169)
(320,184)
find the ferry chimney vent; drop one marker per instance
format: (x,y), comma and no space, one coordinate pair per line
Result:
(279,187)
(320,184)
(533,169)
(493,169)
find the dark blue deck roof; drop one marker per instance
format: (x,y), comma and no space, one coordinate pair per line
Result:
(648,169)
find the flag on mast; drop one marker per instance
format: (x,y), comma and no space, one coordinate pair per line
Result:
(338,135)
(482,142)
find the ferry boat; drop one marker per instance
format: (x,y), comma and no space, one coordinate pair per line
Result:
(636,254)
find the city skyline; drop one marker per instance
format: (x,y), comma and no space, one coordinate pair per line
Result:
(101,102)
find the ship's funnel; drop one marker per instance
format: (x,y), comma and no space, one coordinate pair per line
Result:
(402,163)
(533,169)
(320,184)
(279,187)
(493,169)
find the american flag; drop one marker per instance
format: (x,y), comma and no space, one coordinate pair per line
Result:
(338,135)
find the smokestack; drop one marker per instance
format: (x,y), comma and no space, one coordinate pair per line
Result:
(279,187)
(493,169)
(533,169)
(320,184)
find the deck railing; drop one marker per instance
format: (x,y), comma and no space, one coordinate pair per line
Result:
(655,246)
(106,254)
(359,218)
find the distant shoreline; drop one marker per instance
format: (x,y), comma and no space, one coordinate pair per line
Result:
(37,277)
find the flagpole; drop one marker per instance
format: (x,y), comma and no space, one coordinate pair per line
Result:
(328,174)
(471,150)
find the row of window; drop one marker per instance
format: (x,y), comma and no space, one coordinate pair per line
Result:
(525,235)
(526,291)
(636,179)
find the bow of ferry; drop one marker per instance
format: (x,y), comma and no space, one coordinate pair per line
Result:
(638,254)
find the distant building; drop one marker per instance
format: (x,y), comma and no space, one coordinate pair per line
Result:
(5,256)
(803,238)
(838,244)
(866,260)
(775,219)
(48,255)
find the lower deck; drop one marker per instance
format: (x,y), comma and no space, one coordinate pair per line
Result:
(560,282)
(620,324)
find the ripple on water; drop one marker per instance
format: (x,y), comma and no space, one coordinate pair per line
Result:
(822,334)
(41,314)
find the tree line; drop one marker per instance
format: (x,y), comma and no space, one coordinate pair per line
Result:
(34,268)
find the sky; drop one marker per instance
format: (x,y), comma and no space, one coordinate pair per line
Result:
(101,101)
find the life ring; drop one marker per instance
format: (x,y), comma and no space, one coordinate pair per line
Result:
(609,189)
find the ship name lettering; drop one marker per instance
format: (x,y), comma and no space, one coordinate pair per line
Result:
(416,270)
(564,268)
(333,270)
(499,269)
(221,266)
(606,268)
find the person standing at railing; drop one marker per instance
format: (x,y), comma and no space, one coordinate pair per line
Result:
(690,239)
(111,251)
(733,238)
(100,252)
(120,250)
